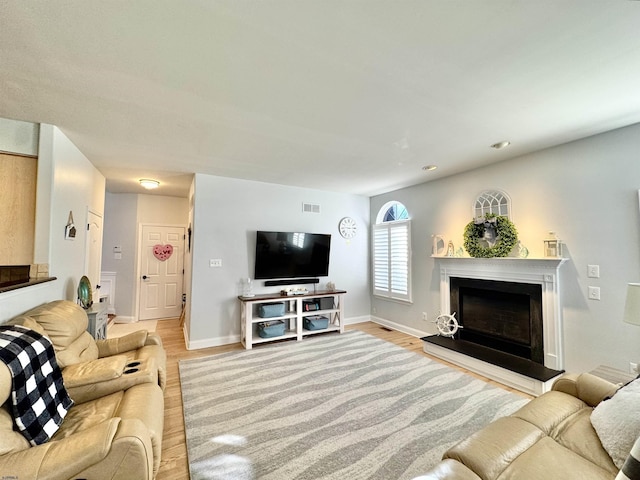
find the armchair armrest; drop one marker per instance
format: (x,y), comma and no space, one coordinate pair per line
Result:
(99,370)
(114,346)
(82,390)
(153,339)
(588,388)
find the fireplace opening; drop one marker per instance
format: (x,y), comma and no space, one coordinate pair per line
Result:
(505,316)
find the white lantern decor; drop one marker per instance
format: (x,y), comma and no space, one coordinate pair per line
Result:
(552,246)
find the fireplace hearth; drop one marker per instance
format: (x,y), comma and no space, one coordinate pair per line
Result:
(510,313)
(500,359)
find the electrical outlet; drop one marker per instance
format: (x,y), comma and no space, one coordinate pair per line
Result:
(594,293)
(633,368)
(424,316)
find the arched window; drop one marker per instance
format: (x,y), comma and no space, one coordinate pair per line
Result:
(492,201)
(392,252)
(391,212)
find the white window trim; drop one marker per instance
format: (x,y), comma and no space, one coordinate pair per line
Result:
(388,293)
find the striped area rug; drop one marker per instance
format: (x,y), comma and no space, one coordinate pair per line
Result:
(336,407)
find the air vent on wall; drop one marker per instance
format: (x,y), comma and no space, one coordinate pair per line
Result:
(310,208)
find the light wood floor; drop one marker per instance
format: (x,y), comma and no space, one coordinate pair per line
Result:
(174,464)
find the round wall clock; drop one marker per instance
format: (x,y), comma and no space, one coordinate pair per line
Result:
(347,227)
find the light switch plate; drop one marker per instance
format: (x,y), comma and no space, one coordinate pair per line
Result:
(593,271)
(594,293)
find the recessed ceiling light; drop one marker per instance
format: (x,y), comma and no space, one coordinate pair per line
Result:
(429,168)
(501,145)
(149,184)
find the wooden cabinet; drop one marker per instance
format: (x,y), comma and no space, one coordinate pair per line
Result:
(98,319)
(296,309)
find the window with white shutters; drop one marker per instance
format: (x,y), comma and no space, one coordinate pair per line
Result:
(392,253)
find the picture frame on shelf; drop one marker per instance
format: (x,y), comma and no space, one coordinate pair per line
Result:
(439,247)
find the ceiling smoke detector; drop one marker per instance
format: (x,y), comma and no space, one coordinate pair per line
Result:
(501,145)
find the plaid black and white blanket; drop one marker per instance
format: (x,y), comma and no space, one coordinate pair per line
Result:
(39,400)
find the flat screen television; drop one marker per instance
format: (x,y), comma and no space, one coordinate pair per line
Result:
(292,255)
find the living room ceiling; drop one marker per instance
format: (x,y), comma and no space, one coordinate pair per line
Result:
(350,96)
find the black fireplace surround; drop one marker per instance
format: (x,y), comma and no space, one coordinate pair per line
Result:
(501,324)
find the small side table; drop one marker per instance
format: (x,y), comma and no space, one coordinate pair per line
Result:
(612,375)
(98,319)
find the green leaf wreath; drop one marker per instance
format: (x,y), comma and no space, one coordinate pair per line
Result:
(507,237)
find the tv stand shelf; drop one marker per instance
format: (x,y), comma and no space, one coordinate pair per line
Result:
(293,316)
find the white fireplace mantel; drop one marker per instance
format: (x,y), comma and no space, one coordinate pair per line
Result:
(540,271)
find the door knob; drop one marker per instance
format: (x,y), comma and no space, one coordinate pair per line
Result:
(144,277)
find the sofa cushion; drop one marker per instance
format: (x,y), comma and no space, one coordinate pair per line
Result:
(548,459)
(577,434)
(85,415)
(617,422)
(27,322)
(65,324)
(84,349)
(63,321)
(550,409)
(490,451)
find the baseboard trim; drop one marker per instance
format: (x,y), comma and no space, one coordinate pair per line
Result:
(122,319)
(211,342)
(360,319)
(399,327)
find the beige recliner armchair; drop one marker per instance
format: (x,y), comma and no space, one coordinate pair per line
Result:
(95,368)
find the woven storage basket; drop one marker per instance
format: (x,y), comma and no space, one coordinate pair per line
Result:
(271,329)
(315,322)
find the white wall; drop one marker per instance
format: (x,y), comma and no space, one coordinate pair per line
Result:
(120,230)
(587,192)
(124,213)
(74,185)
(227,214)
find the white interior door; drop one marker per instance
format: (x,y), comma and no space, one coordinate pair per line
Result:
(162,258)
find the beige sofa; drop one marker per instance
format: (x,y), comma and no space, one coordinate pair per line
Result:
(549,438)
(114,429)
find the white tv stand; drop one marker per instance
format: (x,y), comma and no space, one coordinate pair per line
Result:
(293,316)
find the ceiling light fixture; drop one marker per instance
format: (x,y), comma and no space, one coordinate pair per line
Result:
(501,145)
(429,168)
(149,184)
